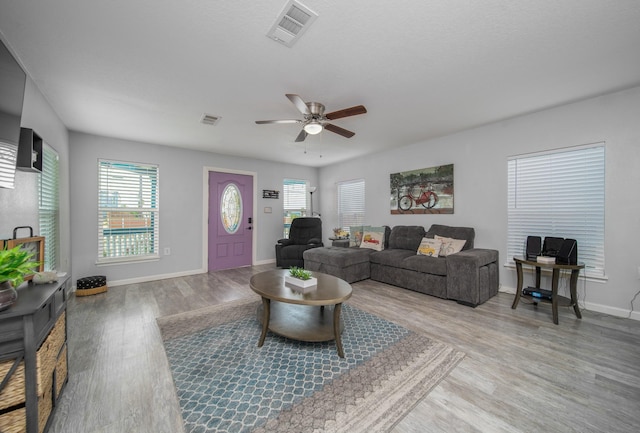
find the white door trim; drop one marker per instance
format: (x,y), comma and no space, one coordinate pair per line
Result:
(205,212)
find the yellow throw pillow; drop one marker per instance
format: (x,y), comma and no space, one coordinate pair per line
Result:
(429,247)
(355,235)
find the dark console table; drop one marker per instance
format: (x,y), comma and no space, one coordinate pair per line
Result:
(33,356)
(555,298)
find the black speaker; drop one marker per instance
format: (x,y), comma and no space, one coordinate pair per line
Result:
(534,246)
(568,254)
(551,246)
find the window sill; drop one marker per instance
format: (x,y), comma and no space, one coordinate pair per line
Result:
(127,260)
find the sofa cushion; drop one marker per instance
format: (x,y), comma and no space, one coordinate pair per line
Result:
(450,246)
(406,237)
(429,247)
(426,264)
(373,238)
(338,256)
(466,233)
(390,257)
(355,235)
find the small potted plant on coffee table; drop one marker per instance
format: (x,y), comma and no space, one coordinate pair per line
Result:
(300,277)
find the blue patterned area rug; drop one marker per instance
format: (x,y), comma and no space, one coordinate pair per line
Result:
(225,383)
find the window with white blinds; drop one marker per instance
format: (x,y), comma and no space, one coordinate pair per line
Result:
(295,195)
(561,194)
(8,155)
(295,201)
(48,206)
(351,203)
(128,211)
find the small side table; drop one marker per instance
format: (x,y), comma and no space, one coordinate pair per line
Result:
(555,298)
(339,242)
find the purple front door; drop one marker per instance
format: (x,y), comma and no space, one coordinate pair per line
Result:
(230,220)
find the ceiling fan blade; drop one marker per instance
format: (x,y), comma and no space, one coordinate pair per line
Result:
(340,131)
(303,134)
(299,103)
(262,122)
(352,111)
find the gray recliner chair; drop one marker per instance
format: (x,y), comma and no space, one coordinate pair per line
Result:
(305,233)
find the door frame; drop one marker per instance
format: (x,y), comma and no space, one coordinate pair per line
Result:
(205,212)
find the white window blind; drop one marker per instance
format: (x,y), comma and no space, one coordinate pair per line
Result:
(8,155)
(351,203)
(295,194)
(48,188)
(295,201)
(561,194)
(128,211)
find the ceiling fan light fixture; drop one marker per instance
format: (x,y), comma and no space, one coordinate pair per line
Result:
(313,128)
(315,119)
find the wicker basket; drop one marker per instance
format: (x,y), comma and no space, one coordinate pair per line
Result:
(93,291)
(45,404)
(91,285)
(61,370)
(14,391)
(14,421)
(49,358)
(47,355)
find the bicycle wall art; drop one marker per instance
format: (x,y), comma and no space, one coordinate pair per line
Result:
(423,191)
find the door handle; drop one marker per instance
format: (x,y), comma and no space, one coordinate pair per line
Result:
(249,228)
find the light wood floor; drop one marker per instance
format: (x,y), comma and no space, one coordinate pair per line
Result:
(521,372)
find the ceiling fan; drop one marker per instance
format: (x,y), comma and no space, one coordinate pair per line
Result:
(315,119)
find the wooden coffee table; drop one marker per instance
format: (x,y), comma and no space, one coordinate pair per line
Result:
(301,316)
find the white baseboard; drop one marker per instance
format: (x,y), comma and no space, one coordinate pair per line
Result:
(599,308)
(505,289)
(148,278)
(612,311)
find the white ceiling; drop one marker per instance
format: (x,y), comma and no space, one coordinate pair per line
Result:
(147,70)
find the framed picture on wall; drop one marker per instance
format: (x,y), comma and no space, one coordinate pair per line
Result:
(33,245)
(422,191)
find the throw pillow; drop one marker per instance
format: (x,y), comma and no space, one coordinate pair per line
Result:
(429,247)
(373,238)
(450,245)
(355,235)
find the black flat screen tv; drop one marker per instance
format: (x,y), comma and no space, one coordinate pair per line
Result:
(12,82)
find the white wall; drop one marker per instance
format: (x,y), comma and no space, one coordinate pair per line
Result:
(480,157)
(19,206)
(181,204)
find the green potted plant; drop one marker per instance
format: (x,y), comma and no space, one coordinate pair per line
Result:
(299,273)
(15,264)
(301,278)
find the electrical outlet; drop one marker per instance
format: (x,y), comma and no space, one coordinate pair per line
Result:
(167,251)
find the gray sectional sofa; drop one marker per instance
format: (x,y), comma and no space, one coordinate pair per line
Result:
(469,277)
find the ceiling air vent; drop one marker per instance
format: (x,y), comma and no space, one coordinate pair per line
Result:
(291,23)
(209,119)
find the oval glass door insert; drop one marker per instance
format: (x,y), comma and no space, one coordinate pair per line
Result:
(231,208)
